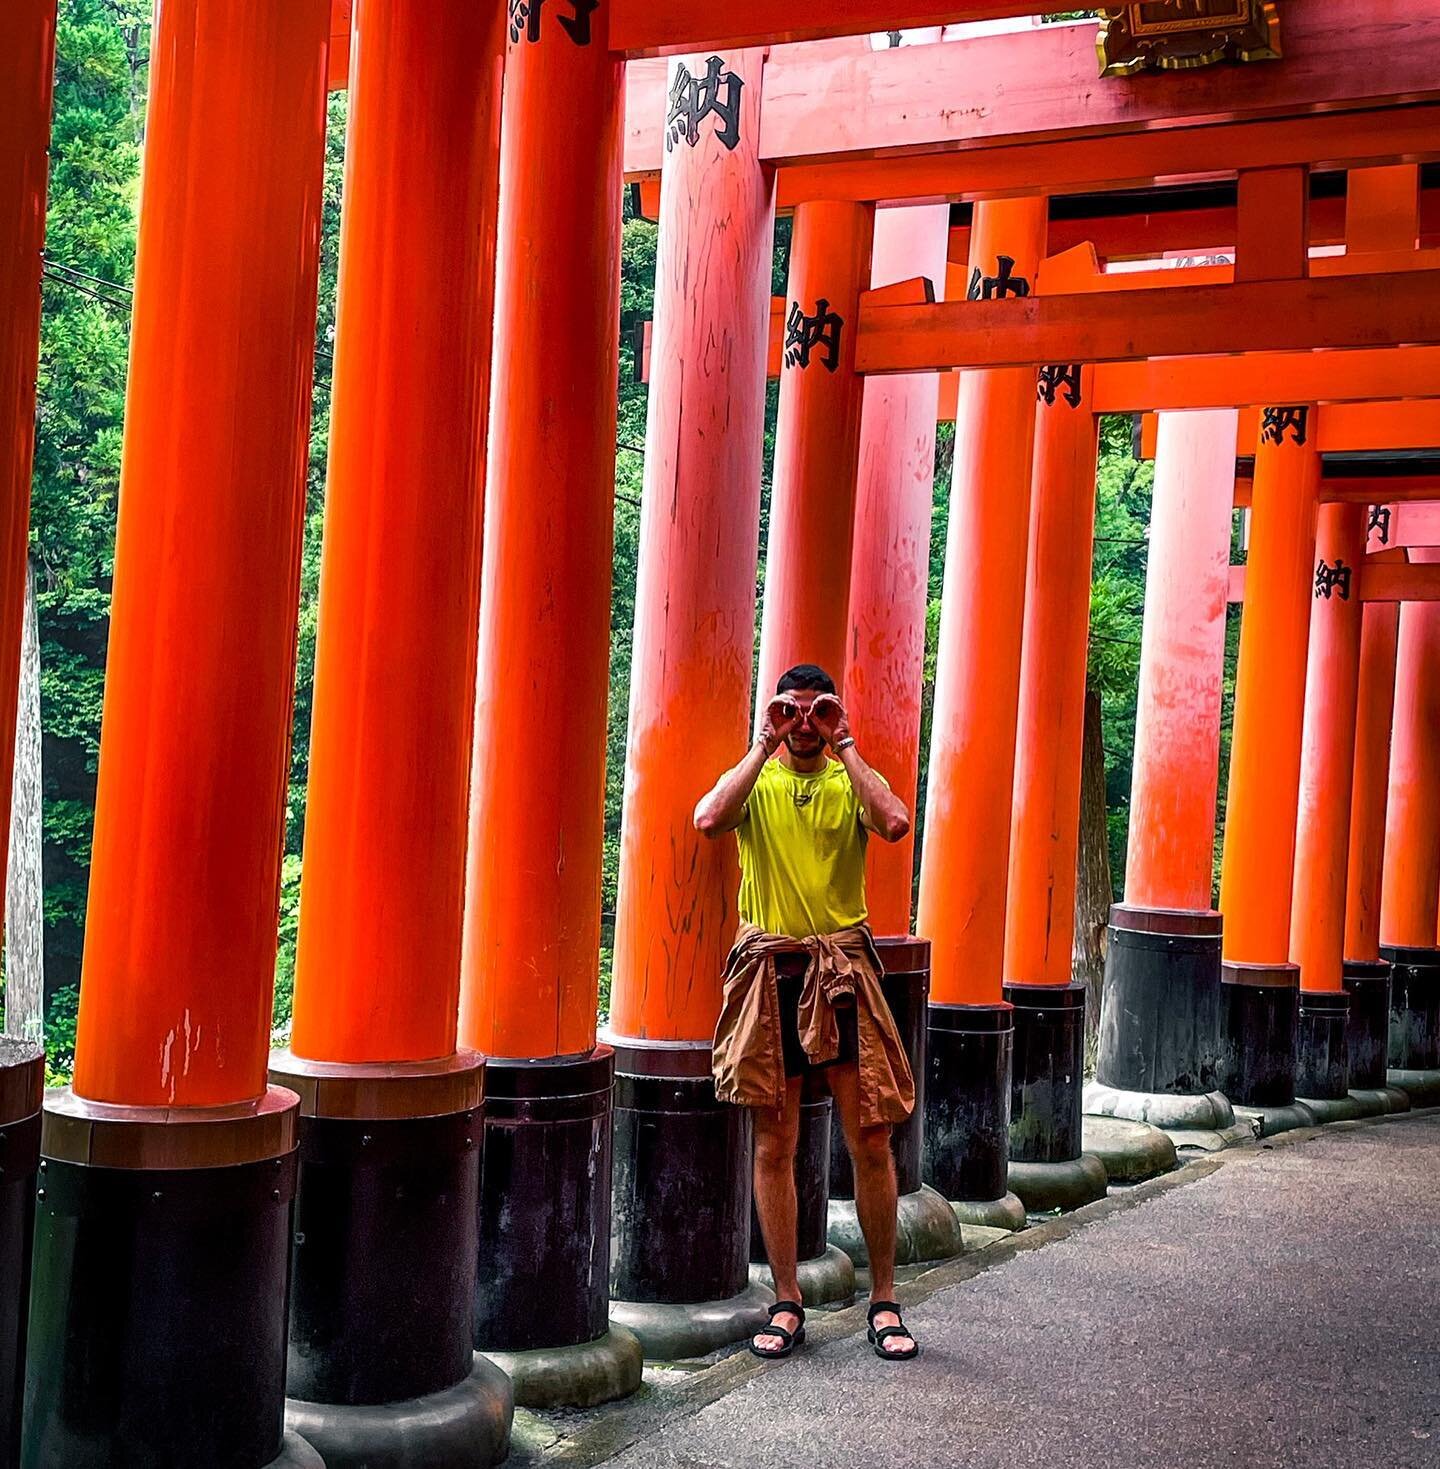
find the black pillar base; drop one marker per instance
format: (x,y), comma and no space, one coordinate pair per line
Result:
(22,1088)
(906,984)
(384,1262)
(157,1312)
(1047,1073)
(1368,1028)
(813,1167)
(1414,1007)
(1160,1012)
(1260,1006)
(967,1100)
(680,1232)
(1322,1060)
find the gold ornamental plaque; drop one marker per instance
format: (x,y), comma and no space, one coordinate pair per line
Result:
(1171,35)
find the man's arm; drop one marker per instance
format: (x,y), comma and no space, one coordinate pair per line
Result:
(723,809)
(881,810)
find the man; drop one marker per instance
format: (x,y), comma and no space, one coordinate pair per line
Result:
(802,988)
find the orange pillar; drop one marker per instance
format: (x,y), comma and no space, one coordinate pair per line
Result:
(1317,921)
(377,981)
(690,717)
(175,994)
(1259,1008)
(1411,894)
(1375,708)
(817,446)
(27,73)
(180,933)
(972,751)
(977,689)
(378,962)
(1045,819)
(1158,1051)
(890,561)
(695,597)
(531,951)
(530,971)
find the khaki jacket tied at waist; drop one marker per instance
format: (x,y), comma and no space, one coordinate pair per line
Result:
(749,1064)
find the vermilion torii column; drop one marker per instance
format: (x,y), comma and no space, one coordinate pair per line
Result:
(1047,1167)
(530,962)
(170,1165)
(972,753)
(1317,919)
(884,675)
(1411,892)
(1382,212)
(27,70)
(1260,993)
(817,446)
(682,1177)
(390,1122)
(1160,1015)
(1366,974)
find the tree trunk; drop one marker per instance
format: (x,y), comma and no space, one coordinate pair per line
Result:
(1093,895)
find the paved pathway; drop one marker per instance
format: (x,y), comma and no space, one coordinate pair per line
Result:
(1282,1311)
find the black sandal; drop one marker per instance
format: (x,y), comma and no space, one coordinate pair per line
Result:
(880,1337)
(791,1339)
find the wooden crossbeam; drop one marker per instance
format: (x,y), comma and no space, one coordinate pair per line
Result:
(1385,581)
(1381,490)
(1378,310)
(1344,428)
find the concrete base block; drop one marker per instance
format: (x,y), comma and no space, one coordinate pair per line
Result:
(1382,1101)
(1006,1212)
(1130,1151)
(925,1229)
(295,1453)
(1206,1112)
(580,1376)
(1046,1187)
(1271,1120)
(827,1283)
(466,1424)
(671,1330)
(1422,1087)
(1332,1109)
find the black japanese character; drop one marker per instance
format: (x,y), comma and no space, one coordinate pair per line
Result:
(1280,421)
(805,333)
(894,38)
(1379,524)
(693,98)
(1062,377)
(1000,285)
(1335,578)
(525,20)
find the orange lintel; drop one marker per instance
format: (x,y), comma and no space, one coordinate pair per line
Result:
(1329,311)
(1384,581)
(1379,490)
(1344,428)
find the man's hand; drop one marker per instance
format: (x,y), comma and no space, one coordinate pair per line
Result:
(782,714)
(828,716)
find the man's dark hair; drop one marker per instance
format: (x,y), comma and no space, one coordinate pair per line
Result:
(805,676)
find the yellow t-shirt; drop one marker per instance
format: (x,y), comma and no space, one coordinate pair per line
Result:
(802,852)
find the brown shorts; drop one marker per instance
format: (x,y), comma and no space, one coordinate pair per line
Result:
(797,1063)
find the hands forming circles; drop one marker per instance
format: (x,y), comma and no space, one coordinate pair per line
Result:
(828,716)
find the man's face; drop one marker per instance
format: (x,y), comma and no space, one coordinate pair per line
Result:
(804,740)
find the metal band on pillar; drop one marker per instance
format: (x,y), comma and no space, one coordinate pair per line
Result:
(681,1252)
(1047,1167)
(1160,1013)
(1260,993)
(889,580)
(530,966)
(382,1366)
(27,70)
(972,755)
(169,1170)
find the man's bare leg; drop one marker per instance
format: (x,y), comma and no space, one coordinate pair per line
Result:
(777,1133)
(875,1192)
